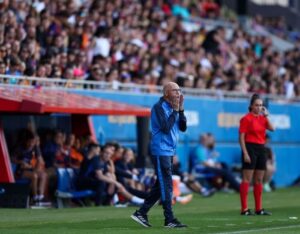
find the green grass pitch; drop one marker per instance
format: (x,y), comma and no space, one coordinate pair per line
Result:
(218,214)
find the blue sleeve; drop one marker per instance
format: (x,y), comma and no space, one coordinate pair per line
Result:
(165,124)
(97,164)
(200,154)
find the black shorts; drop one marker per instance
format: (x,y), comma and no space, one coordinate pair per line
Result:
(257,155)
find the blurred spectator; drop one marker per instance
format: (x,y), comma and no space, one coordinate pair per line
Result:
(208,164)
(209,9)
(88,174)
(125,171)
(52,148)
(271,167)
(197,153)
(68,156)
(98,175)
(129,176)
(100,44)
(2,66)
(30,164)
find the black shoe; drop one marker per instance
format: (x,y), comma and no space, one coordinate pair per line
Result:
(174,224)
(263,212)
(247,212)
(141,219)
(42,203)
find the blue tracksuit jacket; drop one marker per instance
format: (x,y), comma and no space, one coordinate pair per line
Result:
(165,124)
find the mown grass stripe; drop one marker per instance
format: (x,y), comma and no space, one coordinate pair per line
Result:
(261,229)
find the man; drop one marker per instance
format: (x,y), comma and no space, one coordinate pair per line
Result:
(30,165)
(97,174)
(90,174)
(167,118)
(209,164)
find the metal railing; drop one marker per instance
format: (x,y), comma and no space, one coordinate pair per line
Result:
(284,3)
(11,81)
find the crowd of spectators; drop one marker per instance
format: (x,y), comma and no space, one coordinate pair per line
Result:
(278,26)
(141,42)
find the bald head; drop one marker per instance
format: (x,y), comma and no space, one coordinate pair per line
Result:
(169,87)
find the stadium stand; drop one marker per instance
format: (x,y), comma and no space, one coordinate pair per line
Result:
(146,43)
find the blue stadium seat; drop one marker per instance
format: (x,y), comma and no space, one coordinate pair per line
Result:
(66,190)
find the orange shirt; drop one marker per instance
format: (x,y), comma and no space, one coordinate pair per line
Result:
(254,127)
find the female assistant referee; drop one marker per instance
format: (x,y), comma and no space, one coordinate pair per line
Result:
(252,137)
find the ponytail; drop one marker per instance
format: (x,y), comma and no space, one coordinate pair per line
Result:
(252,100)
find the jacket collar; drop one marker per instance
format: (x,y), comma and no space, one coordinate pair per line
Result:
(162,99)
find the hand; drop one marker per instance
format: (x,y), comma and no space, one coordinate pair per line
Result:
(181,99)
(264,111)
(25,165)
(247,158)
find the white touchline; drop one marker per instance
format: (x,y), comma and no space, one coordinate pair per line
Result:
(260,229)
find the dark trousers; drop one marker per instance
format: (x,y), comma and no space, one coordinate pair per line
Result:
(163,188)
(226,174)
(98,186)
(136,192)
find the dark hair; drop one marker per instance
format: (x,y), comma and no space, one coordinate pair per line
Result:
(25,135)
(253,99)
(92,146)
(114,144)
